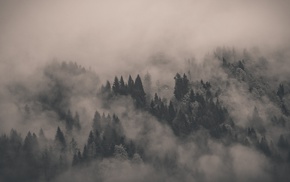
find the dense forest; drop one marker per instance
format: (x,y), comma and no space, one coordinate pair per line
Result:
(144,91)
(136,131)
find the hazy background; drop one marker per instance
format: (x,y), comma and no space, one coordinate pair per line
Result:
(118,36)
(135,36)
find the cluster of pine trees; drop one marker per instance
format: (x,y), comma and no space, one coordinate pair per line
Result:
(132,88)
(34,158)
(107,136)
(194,106)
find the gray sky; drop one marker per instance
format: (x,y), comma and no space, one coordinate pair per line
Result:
(107,34)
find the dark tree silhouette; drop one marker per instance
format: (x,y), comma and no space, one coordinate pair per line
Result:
(171,112)
(123,87)
(139,93)
(178,87)
(130,85)
(116,86)
(97,122)
(60,140)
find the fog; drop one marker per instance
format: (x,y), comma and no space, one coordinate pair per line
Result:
(113,38)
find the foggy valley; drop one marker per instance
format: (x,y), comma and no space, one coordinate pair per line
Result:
(143,90)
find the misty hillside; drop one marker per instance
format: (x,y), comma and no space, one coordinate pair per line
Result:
(144,91)
(68,125)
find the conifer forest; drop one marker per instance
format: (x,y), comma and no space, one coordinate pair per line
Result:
(107,91)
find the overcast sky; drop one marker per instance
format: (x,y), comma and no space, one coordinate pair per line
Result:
(103,33)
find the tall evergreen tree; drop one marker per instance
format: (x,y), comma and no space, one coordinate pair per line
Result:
(123,87)
(185,85)
(30,144)
(85,156)
(171,112)
(106,91)
(97,122)
(116,86)
(130,85)
(73,146)
(60,140)
(107,87)
(91,138)
(138,92)
(120,152)
(92,150)
(178,87)
(192,96)
(181,127)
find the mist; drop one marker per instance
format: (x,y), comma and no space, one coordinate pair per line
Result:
(55,60)
(115,37)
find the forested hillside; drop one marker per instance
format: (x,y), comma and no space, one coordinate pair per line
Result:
(72,125)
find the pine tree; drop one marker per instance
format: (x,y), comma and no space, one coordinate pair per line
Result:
(171,112)
(123,87)
(60,140)
(181,125)
(131,148)
(138,87)
(73,146)
(107,87)
(130,85)
(15,141)
(106,91)
(97,122)
(92,150)
(264,146)
(138,92)
(98,144)
(178,87)
(28,144)
(257,122)
(46,163)
(120,152)
(156,99)
(137,159)
(91,138)
(191,96)
(85,156)
(185,84)
(116,86)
